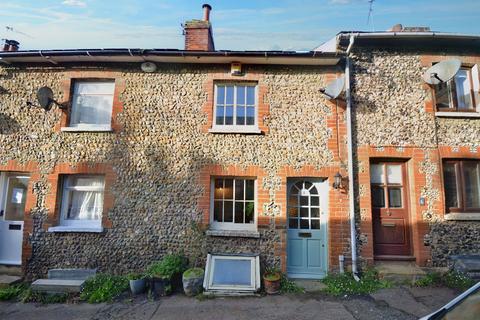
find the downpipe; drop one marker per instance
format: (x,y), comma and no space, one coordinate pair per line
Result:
(351,195)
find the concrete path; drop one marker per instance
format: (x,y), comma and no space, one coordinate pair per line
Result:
(383,305)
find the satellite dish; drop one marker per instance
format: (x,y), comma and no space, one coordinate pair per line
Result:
(148,67)
(45,98)
(334,88)
(442,71)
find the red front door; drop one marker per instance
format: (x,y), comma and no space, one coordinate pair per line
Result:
(391,230)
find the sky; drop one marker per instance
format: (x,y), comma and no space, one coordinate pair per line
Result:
(237,25)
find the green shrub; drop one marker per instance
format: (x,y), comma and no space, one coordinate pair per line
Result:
(11,292)
(341,284)
(103,288)
(169,266)
(451,279)
(28,295)
(135,276)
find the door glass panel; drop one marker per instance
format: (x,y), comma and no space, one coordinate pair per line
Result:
(395,197)
(304,224)
(314,201)
(378,197)
(450,180)
(472,181)
(304,201)
(293,201)
(376,174)
(315,224)
(315,212)
(16,197)
(293,224)
(394,174)
(304,212)
(293,212)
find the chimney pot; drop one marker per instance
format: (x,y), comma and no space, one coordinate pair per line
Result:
(206,12)
(11,45)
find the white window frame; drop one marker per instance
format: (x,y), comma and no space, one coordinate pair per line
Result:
(234,128)
(232,226)
(69,223)
(210,271)
(89,126)
(475,113)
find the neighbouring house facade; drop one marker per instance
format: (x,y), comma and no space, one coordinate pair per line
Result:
(233,152)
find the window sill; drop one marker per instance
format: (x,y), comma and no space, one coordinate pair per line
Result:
(233,233)
(86,129)
(235,130)
(64,229)
(457,114)
(470,216)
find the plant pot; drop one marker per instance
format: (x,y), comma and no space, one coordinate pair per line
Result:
(272,283)
(161,287)
(137,286)
(193,281)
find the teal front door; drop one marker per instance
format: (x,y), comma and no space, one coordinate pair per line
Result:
(307,206)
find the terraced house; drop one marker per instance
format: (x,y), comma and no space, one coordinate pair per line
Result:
(151,151)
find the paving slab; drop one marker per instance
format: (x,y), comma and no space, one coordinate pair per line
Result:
(433,297)
(310,285)
(401,299)
(8,280)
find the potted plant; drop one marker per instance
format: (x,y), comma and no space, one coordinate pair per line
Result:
(166,274)
(271,280)
(137,283)
(193,281)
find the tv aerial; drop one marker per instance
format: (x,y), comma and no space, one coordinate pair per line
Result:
(45,100)
(442,71)
(334,88)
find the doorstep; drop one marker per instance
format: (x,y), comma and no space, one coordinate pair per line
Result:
(8,280)
(399,271)
(310,285)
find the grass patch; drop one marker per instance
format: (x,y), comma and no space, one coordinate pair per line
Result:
(11,292)
(193,273)
(288,286)
(103,288)
(345,284)
(451,279)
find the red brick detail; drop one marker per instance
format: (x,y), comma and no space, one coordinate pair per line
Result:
(67,87)
(32,169)
(250,76)
(53,198)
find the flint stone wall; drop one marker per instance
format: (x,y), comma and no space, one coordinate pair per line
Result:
(157,157)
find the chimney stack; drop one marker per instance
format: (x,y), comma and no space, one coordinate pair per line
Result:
(11,45)
(198,33)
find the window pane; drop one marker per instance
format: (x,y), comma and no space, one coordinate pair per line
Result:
(241,95)
(229,95)
(293,212)
(395,197)
(218,189)
(217,211)
(95,87)
(250,95)
(239,186)
(304,224)
(304,212)
(249,212)
(250,189)
(88,109)
(443,95)
(315,224)
(315,201)
(250,115)
(220,94)
(463,89)
(238,212)
(84,205)
(82,181)
(394,174)
(376,174)
(229,115)
(315,212)
(472,184)
(450,180)
(232,272)
(240,115)
(293,201)
(378,197)
(220,114)
(228,211)
(293,223)
(228,189)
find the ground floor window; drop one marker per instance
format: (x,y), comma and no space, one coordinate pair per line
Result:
(82,200)
(233,203)
(462,185)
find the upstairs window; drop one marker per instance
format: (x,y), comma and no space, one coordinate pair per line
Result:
(459,94)
(236,107)
(92,104)
(462,185)
(233,204)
